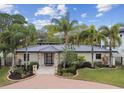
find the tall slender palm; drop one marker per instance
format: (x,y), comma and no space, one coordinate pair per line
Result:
(29,37)
(113,38)
(64,25)
(91,37)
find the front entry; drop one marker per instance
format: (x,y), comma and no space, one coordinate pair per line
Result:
(48,59)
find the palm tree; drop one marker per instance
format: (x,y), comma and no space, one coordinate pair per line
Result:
(113,38)
(73,35)
(4,45)
(10,28)
(91,37)
(29,37)
(64,25)
(15,36)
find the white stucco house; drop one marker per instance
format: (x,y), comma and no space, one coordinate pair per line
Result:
(51,55)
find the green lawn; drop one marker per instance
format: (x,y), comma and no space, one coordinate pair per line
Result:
(3,76)
(107,75)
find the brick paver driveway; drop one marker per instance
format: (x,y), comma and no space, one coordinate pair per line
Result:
(54,82)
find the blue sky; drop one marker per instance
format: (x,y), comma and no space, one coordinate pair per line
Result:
(41,14)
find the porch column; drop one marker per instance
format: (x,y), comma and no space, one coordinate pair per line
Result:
(2,61)
(56,60)
(113,61)
(123,61)
(42,59)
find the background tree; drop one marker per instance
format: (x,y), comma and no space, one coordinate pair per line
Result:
(64,25)
(10,27)
(73,35)
(18,19)
(4,45)
(5,21)
(29,37)
(91,37)
(15,37)
(114,39)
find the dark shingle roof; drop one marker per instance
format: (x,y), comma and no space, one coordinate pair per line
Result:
(59,48)
(121,29)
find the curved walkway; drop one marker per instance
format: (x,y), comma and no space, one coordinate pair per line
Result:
(53,82)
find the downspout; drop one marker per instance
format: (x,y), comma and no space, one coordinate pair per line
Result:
(92,55)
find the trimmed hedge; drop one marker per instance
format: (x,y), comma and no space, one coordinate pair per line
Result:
(34,63)
(84,64)
(87,64)
(71,68)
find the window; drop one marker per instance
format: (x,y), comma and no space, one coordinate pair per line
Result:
(120,35)
(25,57)
(98,56)
(48,59)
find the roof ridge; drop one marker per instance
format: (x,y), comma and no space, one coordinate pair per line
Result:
(48,47)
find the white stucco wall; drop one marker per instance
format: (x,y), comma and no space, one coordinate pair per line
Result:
(88,56)
(39,57)
(34,57)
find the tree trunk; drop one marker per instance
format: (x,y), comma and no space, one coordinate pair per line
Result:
(26,59)
(110,51)
(13,59)
(92,52)
(66,37)
(2,59)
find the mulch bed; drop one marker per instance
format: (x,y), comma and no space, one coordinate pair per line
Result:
(17,76)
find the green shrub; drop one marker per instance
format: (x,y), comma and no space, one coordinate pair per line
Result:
(80,65)
(72,69)
(20,71)
(98,64)
(69,54)
(81,58)
(34,63)
(23,72)
(60,71)
(87,64)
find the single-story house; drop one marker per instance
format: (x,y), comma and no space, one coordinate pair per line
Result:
(51,55)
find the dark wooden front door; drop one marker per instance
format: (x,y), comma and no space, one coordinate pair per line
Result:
(48,59)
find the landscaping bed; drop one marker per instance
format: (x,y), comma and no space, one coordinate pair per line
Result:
(3,76)
(109,76)
(22,72)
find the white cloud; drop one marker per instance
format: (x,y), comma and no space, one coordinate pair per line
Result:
(102,8)
(45,11)
(52,10)
(62,9)
(40,23)
(99,14)
(83,15)
(16,12)
(74,8)
(6,8)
